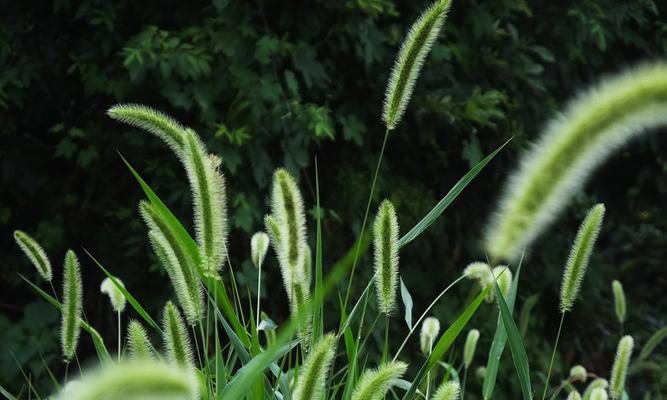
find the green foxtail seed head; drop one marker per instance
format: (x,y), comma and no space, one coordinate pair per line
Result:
(209,203)
(35,254)
(574,395)
(503,276)
(578,373)
(413,51)
(273,230)
(176,260)
(580,254)
(137,340)
(259,244)
(175,337)
(596,383)
(153,121)
(307,266)
(288,210)
(447,391)
(470,347)
(116,297)
(72,305)
(599,394)
(375,383)
(135,380)
(619,300)
(313,376)
(620,368)
(481,272)
(385,245)
(594,125)
(428,334)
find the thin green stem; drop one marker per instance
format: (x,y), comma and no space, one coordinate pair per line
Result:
(385,347)
(553,355)
(363,224)
(463,386)
(118,314)
(259,289)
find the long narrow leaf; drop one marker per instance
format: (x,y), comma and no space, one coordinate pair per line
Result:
(445,342)
(447,200)
(318,310)
(499,341)
(5,393)
(516,346)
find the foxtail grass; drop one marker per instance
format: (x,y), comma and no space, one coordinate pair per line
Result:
(35,254)
(72,305)
(116,297)
(448,391)
(620,369)
(591,128)
(578,373)
(599,394)
(598,383)
(574,395)
(175,335)
(428,334)
(619,301)
(375,383)
(313,376)
(385,245)
(138,343)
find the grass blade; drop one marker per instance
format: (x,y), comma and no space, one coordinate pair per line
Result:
(445,342)
(318,310)
(5,393)
(130,299)
(516,346)
(652,343)
(447,200)
(499,341)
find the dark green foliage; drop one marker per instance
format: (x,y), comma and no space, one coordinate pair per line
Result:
(269,84)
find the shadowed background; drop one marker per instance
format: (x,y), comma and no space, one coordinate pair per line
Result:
(271,84)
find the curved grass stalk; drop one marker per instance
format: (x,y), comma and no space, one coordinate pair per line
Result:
(313,376)
(592,127)
(375,383)
(135,380)
(35,254)
(72,305)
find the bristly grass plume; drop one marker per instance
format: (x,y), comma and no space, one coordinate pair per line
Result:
(313,376)
(574,395)
(448,391)
(599,394)
(176,340)
(619,300)
(595,124)
(470,347)
(598,383)
(385,245)
(259,244)
(408,64)
(153,121)
(580,255)
(35,254)
(428,334)
(375,383)
(620,369)
(137,340)
(72,305)
(116,297)
(578,373)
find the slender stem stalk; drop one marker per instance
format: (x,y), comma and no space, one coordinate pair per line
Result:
(259,289)
(385,348)
(363,224)
(463,386)
(118,314)
(553,355)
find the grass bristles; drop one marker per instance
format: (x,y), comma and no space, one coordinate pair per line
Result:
(619,301)
(594,125)
(385,245)
(153,121)
(578,373)
(72,305)
(138,344)
(428,334)
(413,51)
(579,257)
(599,394)
(620,369)
(116,297)
(447,391)
(175,335)
(313,375)
(574,395)
(375,383)
(35,254)
(176,261)
(259,244)
(482,273)
(135,380)
(595,384)
(209,200)
(470,347)
(503,276)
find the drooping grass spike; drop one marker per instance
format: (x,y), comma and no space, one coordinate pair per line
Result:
(482,273)
(503,276)
(176,340)
(116,297)
(579,257)
(597,383)
(619,300)
(375,383)
(153,121)
(35,254)
(72,305)
(448,391)
(209,199)
(599,394)
(385,245)
(428,334)
(578,373)
(408,64)
(177,262)
(259,244)
(273,230)
(470,347)
(139,344)
(620,369)
(135,380)
(593,126)
(313,375)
